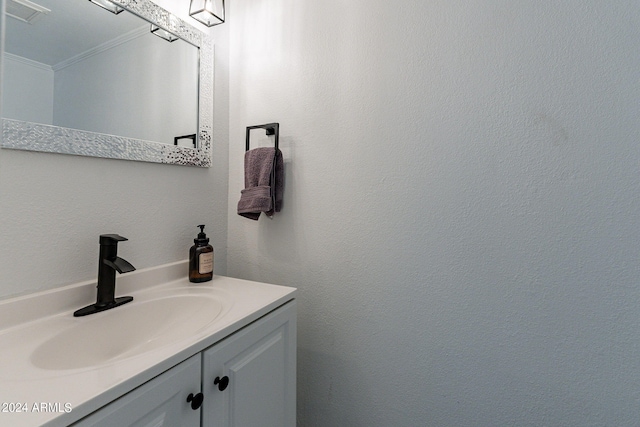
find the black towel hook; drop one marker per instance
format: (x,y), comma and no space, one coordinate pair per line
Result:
(271,128)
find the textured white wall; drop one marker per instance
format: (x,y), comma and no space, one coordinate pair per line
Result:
(54,207)
(462,210)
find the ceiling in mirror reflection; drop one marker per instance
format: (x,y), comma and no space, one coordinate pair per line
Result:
(100,72)
(71,28)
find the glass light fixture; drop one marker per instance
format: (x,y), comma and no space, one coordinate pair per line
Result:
(25,11)
(162,33)
(209,12)
(106,4)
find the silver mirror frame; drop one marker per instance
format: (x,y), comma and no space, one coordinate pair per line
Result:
(21,135)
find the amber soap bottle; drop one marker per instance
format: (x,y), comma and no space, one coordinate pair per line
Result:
(201,259)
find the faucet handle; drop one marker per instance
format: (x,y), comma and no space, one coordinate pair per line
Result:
(120,265)
(111,239)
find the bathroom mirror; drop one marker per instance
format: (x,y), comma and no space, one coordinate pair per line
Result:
(79,79)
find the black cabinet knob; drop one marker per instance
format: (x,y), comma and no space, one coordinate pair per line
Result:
(196,401)
(222,383)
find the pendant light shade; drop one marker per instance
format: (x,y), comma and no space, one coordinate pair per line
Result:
(106,4)
(209,12)
(162,33)
(25,11)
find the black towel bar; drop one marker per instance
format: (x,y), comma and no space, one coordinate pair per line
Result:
(271,128)
(192,137)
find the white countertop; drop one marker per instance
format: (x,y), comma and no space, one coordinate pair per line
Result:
(32,396)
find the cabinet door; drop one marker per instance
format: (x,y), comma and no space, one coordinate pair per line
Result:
(260,364)
(160,402)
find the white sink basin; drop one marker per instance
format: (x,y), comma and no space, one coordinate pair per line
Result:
(146,323)
(47,355)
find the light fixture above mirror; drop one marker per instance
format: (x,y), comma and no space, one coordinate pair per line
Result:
(107,5)
(25,10)
(163,34)
(208,12)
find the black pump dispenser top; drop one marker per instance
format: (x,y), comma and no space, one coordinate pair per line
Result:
(202,239)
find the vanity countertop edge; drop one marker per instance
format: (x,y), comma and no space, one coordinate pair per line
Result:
(89,389)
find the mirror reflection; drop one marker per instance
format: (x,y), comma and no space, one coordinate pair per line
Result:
(72,64)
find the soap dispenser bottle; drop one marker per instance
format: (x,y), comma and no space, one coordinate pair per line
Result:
(201,259)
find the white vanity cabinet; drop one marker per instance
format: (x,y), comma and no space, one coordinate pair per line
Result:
(247,379)
(160,402)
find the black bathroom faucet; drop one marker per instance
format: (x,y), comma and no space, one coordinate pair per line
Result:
(108,264)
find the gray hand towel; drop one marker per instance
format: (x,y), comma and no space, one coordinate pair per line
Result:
(260,194)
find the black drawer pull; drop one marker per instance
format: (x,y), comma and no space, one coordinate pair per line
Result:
(222,383)
(196,401)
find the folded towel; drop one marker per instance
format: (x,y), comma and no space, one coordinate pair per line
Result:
(260,194)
